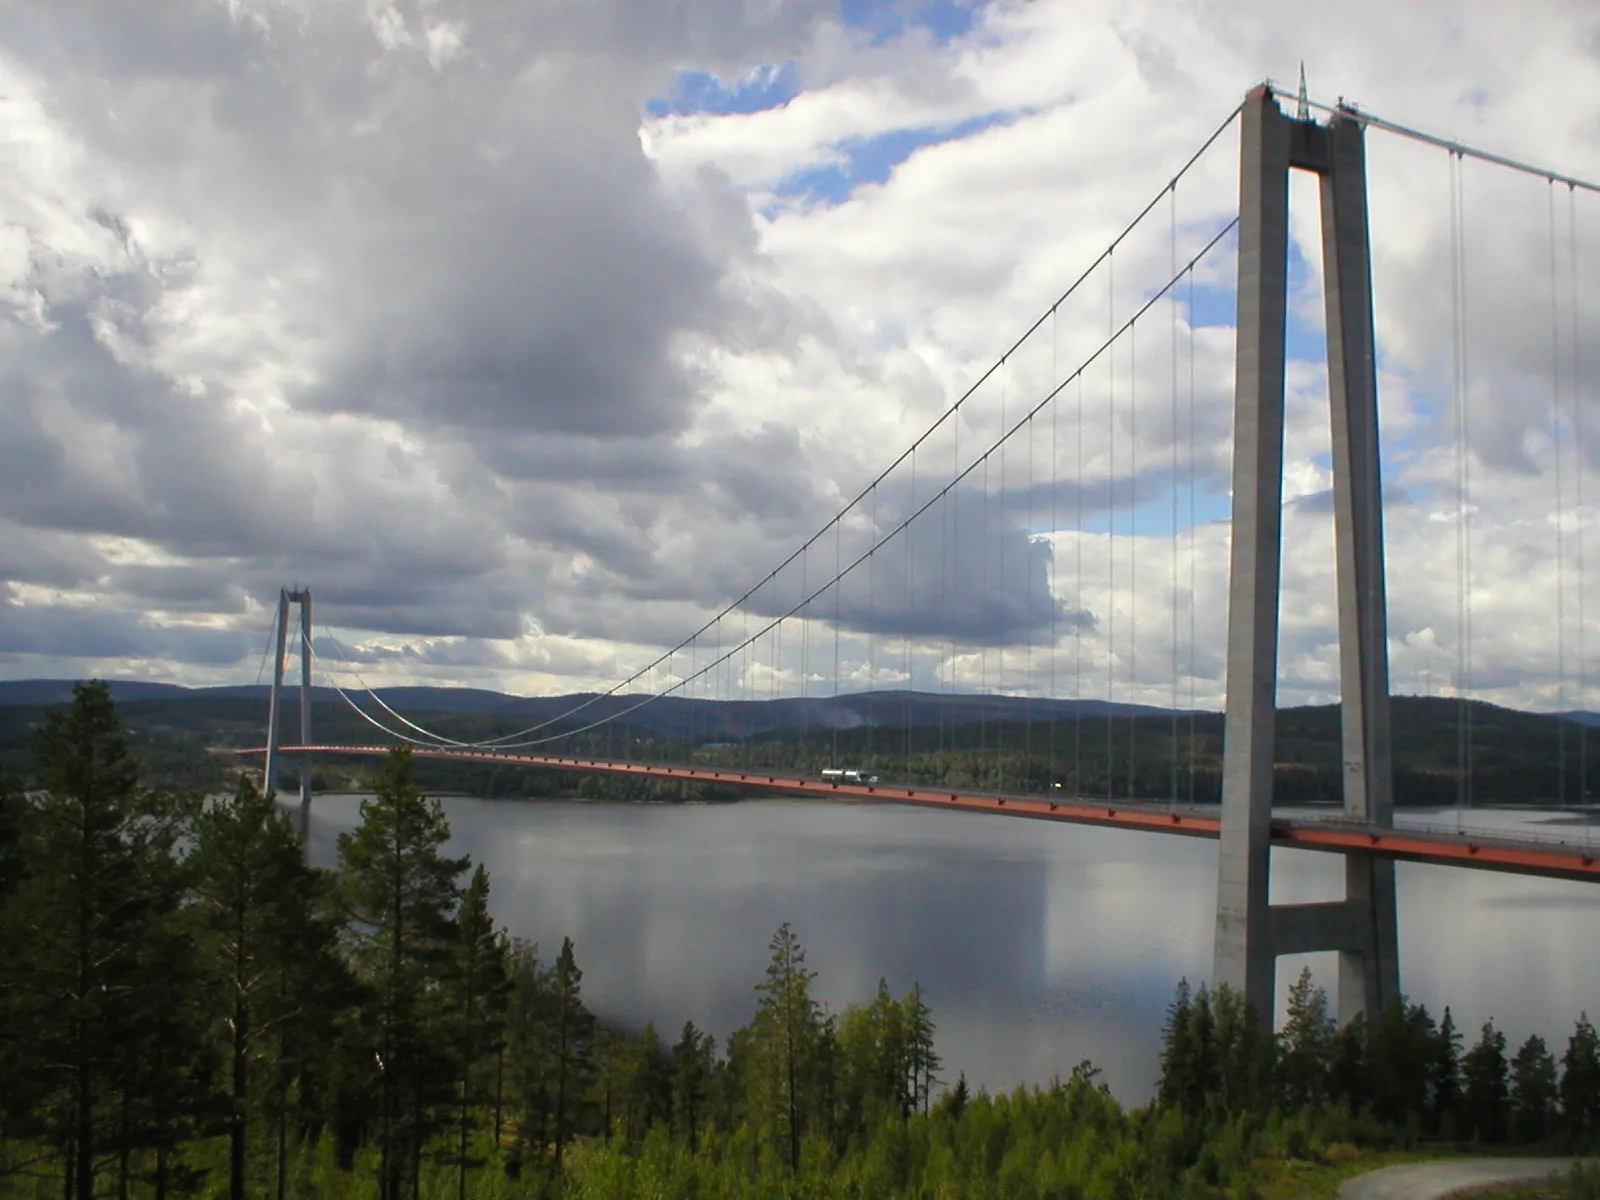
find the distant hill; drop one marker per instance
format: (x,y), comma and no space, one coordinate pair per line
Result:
(671,716)
(971,740)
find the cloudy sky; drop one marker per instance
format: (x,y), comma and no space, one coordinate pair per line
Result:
(530,335)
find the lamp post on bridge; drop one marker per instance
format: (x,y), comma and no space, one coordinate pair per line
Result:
(286,597)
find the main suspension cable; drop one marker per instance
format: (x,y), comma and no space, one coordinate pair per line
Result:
(1100,351)
(883,475)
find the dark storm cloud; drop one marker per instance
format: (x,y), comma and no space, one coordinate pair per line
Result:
(70,633)
(966,570)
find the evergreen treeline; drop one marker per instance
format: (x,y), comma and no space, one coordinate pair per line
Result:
(186,1008)
(1403,1077)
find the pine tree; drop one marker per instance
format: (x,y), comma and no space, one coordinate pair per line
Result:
(480,986)
(400,895)
(1306,1042)
(922,1060)
(99,896)
(1533,1092)
(646,1084)
(1580,1082)
(1402,1043)
(263,943)
(1487,1090)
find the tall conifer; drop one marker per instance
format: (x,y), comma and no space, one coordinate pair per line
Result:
(264,946)
(400,894)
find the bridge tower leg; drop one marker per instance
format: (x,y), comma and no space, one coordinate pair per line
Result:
(302,598)
(1251,932)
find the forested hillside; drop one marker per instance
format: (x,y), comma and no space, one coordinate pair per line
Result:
(992,743)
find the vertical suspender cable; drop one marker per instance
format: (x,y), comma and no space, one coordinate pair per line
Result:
(1111,523)
(906,623)
(872,632)
(1561,578)
(1055,544)
(838,591)
(983,645)
(956,562)
(1172,442)
(1463,485)
(1578,474)
(803,763)
(1027,584)
(1133,545)
(1077,600)
(1001,530)
(1194,523)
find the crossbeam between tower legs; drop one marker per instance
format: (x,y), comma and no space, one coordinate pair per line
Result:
(1250,932)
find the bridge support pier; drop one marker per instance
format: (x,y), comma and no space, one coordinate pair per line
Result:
(286,597)
(1251,932)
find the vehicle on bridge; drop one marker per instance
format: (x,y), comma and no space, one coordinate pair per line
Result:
(846,775)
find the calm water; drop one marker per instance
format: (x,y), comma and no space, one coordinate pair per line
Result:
(1037,944)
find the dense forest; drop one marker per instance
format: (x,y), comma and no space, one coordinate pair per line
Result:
(1444,752)
(187,1008)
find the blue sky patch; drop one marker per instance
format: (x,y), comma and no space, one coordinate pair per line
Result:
(701,92)
(873,159)
(886,20)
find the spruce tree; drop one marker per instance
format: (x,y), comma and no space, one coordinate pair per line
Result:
(1178,1050)
(1533,1092)
(1486,1093)
(1580,1082)
(571,1041)
(399,894)
(692,1063)
(1444,1075)
(1402,1044)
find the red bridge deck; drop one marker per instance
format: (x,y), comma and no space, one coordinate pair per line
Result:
(1521,855)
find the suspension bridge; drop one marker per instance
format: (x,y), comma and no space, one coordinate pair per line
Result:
(1058,534)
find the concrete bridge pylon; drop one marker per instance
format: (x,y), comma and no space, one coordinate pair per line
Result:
(302,597)
(1251,932)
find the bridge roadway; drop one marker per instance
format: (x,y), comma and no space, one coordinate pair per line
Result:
(1551,857)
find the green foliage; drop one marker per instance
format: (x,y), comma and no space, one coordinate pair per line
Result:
(188,1008)
(399,894)
(1487,1086)
(1533,1092)
(1580,1083)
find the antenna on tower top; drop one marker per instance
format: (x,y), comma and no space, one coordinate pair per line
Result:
(1304,111)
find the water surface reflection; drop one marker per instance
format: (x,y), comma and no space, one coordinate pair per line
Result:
(1037,944)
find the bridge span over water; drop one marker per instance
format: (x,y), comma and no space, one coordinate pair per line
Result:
(1339,834)
(912,573)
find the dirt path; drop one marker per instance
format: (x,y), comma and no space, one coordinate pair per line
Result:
(1432,1180)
